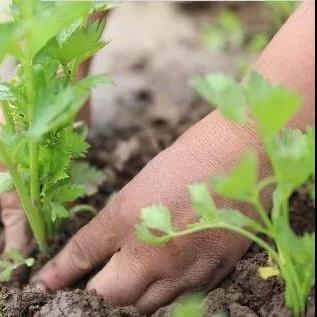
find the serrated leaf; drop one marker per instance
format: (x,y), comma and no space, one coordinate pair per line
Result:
(58,212)
(225,93)
(237,219)
(292,158)
(15,255)
(29,262)
(241,182)
(88,176)
(6,182)
(202,202)
(68,193)
(144,234)
(56,110)
(157,217)
(271,105)
(5,274)
(82,43)
(67,13)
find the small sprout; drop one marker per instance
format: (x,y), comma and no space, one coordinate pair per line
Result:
(191,306)
(10,261)
(225,92)
(88,176)
(292,156)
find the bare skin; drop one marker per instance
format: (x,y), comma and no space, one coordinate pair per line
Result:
(147,277)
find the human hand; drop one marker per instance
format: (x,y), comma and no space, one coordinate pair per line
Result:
(149,277)
(15,233)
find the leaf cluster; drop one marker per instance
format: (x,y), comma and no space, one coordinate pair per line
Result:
(39,141)
(292,156)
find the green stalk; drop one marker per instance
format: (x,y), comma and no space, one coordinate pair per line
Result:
(33,215)
(33,205)
(241,231)
(38,225)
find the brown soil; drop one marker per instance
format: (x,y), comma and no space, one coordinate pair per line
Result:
(242,294)
(121,153)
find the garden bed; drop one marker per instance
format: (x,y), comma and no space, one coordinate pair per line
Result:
(121,154)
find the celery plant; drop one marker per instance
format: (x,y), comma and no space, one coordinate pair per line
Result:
(39,141)
(292,156)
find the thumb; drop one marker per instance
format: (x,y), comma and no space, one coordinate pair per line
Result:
(88,248)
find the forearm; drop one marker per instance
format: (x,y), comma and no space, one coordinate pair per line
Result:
(288,60)
(215,144)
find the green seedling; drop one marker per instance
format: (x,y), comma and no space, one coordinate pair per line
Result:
(10,261)
(191,306)
(226,32)
(40,140)
(292,156)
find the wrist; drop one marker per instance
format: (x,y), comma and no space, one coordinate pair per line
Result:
(219,144)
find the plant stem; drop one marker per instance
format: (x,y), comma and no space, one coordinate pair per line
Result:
(33,215)
(241,231)
(32,205)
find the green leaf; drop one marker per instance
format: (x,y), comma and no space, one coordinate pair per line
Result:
(157,217)
(68,193)
(14,255)
(6,182)
(144,234)
(67,13)
(56,110)
(311,148)
(271,105)
(241,183)
(7,39)
(58,212)
(292,158)
(237,219)
(190,307)
(88,176)
(29,262)
(202,202)
(5,275)
(82,43)
(224,92)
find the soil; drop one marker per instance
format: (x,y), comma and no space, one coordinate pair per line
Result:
(147,115)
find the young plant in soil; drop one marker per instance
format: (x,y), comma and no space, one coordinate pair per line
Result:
(292,156)
(40,140)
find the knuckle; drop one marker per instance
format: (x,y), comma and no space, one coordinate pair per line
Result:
(80,257)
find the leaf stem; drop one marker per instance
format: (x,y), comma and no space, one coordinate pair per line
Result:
(241,231)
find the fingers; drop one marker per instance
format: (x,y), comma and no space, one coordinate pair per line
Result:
(16,234)
(123,280)
(89,248)
(160,293)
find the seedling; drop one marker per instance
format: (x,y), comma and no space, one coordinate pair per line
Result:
(39,140)
(10,261)
(292,156)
